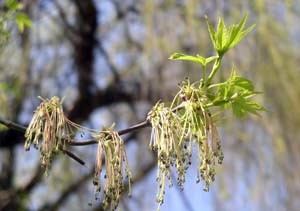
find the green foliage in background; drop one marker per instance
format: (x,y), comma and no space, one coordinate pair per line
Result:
(11,12)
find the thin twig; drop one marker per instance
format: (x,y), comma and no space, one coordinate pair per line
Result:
(18,127)
(12,125)
(135,127)
(140,125)
(73,156)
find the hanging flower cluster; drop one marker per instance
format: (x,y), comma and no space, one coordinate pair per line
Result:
(111,148)
(50,130)
(50,125)
(166,131)
(176,128)
(198,125)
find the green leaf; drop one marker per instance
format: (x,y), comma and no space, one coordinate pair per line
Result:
(243,84)
(236,93)
(240,83)
(241,36)
(242,107)
(212,33)
(22,20)
(236,33)
(221,34)
(181,56)
(198,59)
(223,95)
(236,29)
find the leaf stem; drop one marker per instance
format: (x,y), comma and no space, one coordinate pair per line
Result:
(215,69)
(204,72)
(216,85)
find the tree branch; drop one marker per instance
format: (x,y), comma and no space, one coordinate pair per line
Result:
(73,156)
(13,125)
(130,129)
(22,130)
(120,132)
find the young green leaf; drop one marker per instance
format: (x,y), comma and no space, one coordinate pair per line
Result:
(181,56)
(212,33)
(197,59)
(242,107)
(243,84)
(239,83)
(221,34)
(224,39)
(236,33)
(235,93)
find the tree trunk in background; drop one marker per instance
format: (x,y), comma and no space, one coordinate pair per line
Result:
(83,47)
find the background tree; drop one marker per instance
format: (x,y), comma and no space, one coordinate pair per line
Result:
(110,59)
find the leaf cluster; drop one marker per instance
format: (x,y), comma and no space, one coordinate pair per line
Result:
(236,93)
(224,39)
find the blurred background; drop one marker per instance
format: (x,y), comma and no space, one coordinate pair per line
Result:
(109,59)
